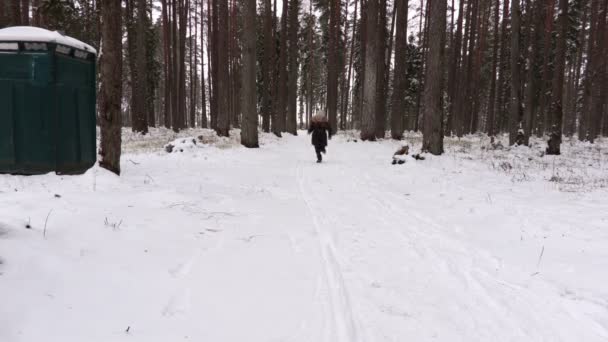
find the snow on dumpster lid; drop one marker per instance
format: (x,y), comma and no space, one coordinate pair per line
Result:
(39,35)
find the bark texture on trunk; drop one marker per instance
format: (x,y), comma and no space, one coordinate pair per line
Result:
(110,116)
(558,80)
(249,122)
(400,78)
(292,97)
(433,112)
(368,113)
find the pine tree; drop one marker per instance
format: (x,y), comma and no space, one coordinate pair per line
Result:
(249,126)
(368,114)
(433,109)
(558,81)
(514,116)
(400,76)
(111,85)
(294,26)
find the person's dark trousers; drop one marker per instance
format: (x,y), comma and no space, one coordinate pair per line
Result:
(318,150)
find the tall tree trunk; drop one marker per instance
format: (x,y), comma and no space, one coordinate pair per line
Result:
(183,26)
(471,72)
(15,17)
(544,118)
(203,122)
(249,124)
(599,72)
(531,87)
(586,129)
(333,63)
(350,67)
(464,72)
(139,112)
(558,80)
(573,109)
(400,78)
(267,69)
(25,12)
(515,74)
(223,119)
(484,14)
(167,59)
(453,73)
(368,115)
(111,85)
(344,81)
(193,65)
(359,89)
(380,76)
(292,99)
(214,64)
(490,121)
(432,140)
(311,49)
(503,80)
(281,108)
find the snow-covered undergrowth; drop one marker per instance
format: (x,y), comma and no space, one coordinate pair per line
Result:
(222,243)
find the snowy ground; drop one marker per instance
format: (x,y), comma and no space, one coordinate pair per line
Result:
(214,242)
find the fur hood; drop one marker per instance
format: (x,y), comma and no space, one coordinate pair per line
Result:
(319,117)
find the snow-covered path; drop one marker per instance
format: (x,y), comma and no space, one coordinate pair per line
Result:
(266,245)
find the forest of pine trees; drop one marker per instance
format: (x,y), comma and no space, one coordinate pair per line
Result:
(441,67)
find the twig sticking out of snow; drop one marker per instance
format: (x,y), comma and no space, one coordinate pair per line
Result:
(45,222)
(540,257)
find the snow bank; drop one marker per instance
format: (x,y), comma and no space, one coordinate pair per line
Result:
(39,35)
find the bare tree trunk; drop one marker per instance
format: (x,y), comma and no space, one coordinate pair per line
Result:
(16,13)
(292,99)
(515,74)
(558,80)
(400,83)
(358,91)
(599,72)
(267,70)
(111,85)
(25,12)
(193,65)
(249,126)
(214,64)
(137,43)
(203,122)
(181,99)
(586,127)
(223,119)
(544,118)
(311,48)
(167,59)
(368,115)
(490,121)
(453,74)
(381,73)
(503,83)
(573,112)
(282,79)
(350,68)
(344,81)
(531,86)
(433,109)
(333,64)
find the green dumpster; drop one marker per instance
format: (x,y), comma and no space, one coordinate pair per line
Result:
(47,102)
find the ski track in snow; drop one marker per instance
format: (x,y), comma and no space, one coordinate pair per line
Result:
(232,245)
(343,321)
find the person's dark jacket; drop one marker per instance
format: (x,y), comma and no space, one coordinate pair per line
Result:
(320,132)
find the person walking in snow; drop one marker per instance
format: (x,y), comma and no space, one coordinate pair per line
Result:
(321,132)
